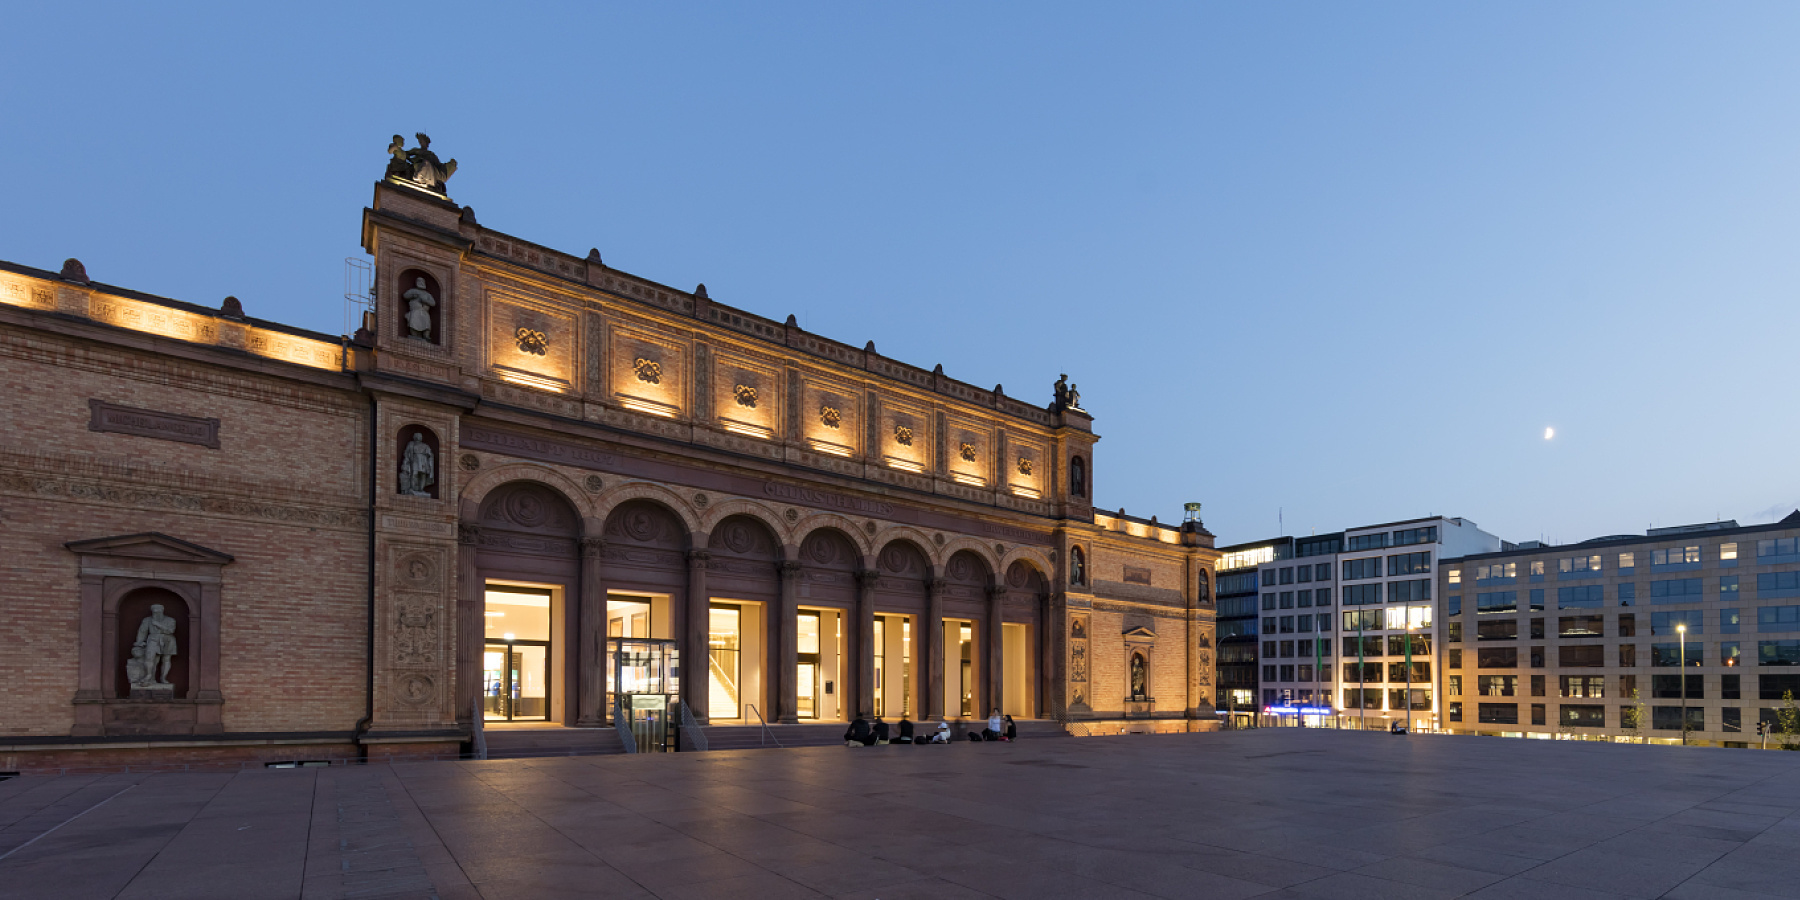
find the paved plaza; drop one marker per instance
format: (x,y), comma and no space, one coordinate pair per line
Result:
(1272,814)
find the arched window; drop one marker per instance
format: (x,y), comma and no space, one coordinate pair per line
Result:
(1077,477)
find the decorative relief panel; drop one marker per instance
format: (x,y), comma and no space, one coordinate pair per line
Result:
(905,435)
(745,394)
(648,370)
(832,422)
(33,295)
(416,636)
(1026,465)
(532,338)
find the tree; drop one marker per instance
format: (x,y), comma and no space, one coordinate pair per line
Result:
(1787,722)
(1632,718)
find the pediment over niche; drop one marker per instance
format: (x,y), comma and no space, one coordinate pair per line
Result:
(1141,633)
(149,545)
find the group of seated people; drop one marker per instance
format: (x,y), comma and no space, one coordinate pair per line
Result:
(864,733)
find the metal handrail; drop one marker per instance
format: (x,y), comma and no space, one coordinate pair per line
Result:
(619,724)
(478,738)
(767,734)
(696,736)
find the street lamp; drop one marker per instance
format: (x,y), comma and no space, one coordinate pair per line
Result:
(1681,629)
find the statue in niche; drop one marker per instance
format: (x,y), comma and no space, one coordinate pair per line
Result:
(418,309)
(419,166)
(1077,477)
(418,466)
(153,652)
(1077,566)
(1140,689)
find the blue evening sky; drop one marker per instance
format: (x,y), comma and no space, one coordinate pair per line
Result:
(1345,261)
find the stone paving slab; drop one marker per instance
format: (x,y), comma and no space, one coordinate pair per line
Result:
(1273,814)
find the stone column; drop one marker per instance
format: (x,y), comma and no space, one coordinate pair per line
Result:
(471,625)
(784,672)
(996,655)
(696,649)
(865,640)
(933,706)
(590,696)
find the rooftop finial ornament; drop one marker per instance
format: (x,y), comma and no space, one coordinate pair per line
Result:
(419,167)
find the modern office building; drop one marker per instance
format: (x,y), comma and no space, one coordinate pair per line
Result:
(1593,640)
(1298,591)
(1323,642)
(1386,573)
(1237,591)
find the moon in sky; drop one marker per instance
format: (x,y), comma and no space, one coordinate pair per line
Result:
(1549,433)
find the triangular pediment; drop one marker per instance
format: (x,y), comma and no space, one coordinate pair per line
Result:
(149,545)
(1139,632)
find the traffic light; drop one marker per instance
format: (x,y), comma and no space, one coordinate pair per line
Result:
(1762,728)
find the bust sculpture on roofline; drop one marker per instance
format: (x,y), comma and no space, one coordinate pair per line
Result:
(418,167)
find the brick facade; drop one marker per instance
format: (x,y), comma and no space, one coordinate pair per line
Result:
(618,399)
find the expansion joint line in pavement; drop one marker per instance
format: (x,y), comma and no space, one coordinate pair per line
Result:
(72,818)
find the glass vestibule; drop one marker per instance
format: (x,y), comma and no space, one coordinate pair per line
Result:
(515,659)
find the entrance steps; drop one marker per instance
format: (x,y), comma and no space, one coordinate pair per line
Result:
(553,740)
(751,737)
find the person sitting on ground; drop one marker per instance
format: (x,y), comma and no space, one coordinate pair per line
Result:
(859,734)
(881,731)
(1012,730)
(906,731)
(943,733)
(995,727)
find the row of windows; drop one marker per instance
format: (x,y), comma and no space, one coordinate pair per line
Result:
(1662,718)
(1393,618)
(1304,598)
(1367,672)
(1771,550)
(1386,645)
(1769,619)
(1298,672)
(1401,538)
(1663,654)
(1292,624)
(1673,590)
(1240,583)
(1593,687)
(1301,648)
(1292,574)
(1397,592)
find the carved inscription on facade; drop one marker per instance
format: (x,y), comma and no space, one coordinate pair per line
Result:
(1136,576)
(108,417)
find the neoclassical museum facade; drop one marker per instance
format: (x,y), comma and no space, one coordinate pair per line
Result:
(528,482)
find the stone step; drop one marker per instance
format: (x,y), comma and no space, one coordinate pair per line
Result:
(525,743)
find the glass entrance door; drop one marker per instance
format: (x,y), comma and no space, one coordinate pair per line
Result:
(806,687)
(514,683)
